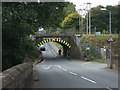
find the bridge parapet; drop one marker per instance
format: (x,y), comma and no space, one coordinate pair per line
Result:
(19,76)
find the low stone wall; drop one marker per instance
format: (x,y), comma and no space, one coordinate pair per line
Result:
(19,76)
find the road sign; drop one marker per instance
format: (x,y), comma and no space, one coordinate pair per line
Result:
(110,39)
(53,38)
(97,33)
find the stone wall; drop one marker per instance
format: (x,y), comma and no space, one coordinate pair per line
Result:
(19,76)
(74,50)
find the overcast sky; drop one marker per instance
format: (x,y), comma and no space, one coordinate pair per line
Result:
(80,3)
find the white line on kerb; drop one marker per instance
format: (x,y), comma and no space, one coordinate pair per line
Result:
(65,70)
(73,73)
(88,79)
(108,88)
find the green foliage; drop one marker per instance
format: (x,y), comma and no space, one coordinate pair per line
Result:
(19,20)
(70,7)
(90,57)
(104,31)
(94,59)
(70,21)
(100,19)
(97,41)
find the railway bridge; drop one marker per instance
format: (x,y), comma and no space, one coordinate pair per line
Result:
(67,41)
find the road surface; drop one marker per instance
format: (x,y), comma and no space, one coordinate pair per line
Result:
(61,73)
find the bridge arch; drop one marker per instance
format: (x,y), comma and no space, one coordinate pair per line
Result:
(66,45)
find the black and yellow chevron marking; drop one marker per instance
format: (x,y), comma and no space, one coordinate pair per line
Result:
(54,40)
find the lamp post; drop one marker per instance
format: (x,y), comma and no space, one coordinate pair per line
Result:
(110,34)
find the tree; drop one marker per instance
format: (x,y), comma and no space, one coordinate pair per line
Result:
(19,20)
(100,19)
(70,21)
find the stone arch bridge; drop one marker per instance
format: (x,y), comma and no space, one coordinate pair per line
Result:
(67,41)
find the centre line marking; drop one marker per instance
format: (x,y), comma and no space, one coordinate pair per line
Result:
(88,79)
(47,68)
(73,73)
(65,70)
(59,66)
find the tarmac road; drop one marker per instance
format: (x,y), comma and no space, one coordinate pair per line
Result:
(58,72)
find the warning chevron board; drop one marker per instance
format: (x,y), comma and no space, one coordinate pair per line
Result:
(54,40)
(110,39)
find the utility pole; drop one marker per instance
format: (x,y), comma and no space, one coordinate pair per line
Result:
(81,20)
(81,13)
(110,42)
(88,18)
(87,24)
(86,11)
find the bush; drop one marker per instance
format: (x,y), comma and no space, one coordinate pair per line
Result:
(90,57)
(15,54)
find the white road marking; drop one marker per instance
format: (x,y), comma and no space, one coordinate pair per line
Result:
(65,70)
(88,79)
(54,52)
(73,73)
(85,63)
(47,68)
(59,66)
(108,88)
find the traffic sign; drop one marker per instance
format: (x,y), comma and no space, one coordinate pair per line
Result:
(53,38)
(110,39)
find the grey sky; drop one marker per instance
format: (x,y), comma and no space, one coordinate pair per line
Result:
(79,3)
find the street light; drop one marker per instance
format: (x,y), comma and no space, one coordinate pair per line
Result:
(104,9)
